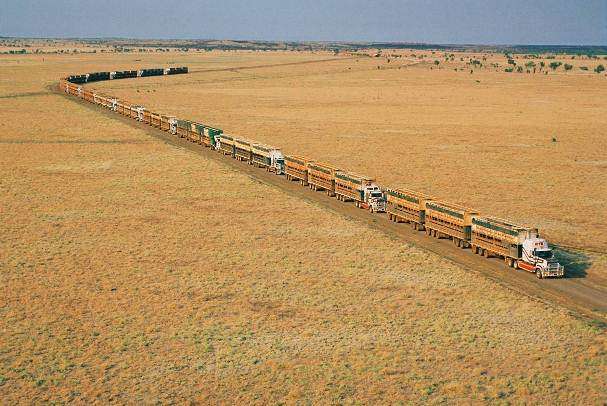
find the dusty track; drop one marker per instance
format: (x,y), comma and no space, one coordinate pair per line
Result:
(248,67)
(580,295)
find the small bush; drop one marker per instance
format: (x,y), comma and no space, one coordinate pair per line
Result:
(584,67)
(568,67)
(599,69)
(508,70)
(555,65)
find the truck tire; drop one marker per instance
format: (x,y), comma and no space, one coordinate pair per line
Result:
(515,264)
(538,273)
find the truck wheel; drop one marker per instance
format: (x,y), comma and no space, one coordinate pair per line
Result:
(538,273)
(515,264)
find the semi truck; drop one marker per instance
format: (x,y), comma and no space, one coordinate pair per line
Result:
(211,135)
(519,246)
(137,112)
(407,206)
(271,158)
(242,149)
(360,189)
(226,144)
(449,220)
(296,168)
(321,176)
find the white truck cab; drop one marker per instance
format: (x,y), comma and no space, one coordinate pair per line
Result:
(374,198)
(173,126)
(277,160)
(140,111)
(537,257)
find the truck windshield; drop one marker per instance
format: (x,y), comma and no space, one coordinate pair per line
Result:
(544,254)
(376,194)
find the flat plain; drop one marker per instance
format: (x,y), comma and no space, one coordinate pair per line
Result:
(132,270)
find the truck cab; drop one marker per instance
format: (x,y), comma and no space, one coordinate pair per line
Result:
(374,198)
(537,257)
(278,162)
(173,126)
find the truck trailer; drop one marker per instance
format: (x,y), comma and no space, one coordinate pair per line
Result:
(449,220)
(271,158)
(183,128)
(243,149)
(360,189)
(155,119)
(407,206)
(296,168)
(519,246)
(321,176)
(226,144)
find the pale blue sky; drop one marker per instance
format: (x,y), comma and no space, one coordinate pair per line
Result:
(457,21)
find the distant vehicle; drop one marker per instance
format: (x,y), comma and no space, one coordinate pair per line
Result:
(361,189)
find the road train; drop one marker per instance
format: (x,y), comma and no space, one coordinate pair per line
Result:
(520,247)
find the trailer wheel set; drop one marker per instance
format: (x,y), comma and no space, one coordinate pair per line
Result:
(521,247)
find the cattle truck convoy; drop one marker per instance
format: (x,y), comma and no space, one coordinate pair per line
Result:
(407,206)
(296,168)
(321,176)
(270,158)
(520,247)
(361,189)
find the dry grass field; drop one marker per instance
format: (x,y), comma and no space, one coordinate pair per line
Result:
(135,271)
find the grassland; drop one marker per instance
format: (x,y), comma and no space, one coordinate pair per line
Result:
(135,271)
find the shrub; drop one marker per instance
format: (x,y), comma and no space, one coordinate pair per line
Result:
(568,67)
(519,69)
(584,67)
(555,65)
(599,69)
(508,70)
(436,62)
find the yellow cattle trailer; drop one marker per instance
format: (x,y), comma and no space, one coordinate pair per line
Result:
(449,220)
(408,206)
(155,119)
(296,168)
(243,149)
(226,144)
(321,176)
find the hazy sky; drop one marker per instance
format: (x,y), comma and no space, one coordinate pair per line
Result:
(455,21)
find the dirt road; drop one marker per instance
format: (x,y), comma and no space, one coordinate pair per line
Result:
(576,293)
